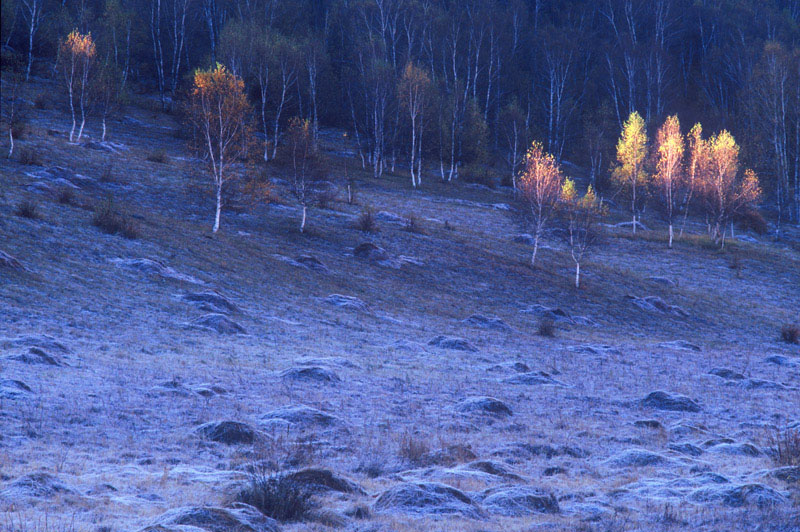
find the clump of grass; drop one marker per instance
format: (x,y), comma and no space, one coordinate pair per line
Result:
(276,496)
(785,447)
(29,157)
(367,222)
(108,173)
(19,129)
(159,156)
(790,334)
(27,209)
(65,196)
(546,327)
(107,219)
(414,225)
(412,449)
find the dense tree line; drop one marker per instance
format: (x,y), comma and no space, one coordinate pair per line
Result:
(463,87)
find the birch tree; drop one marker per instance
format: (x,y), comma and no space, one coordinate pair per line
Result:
(725,191)
(580,215)
(32,10)
(630,173)
(414,87)
(540,183)
(77,53)
(669,159)
(220,113)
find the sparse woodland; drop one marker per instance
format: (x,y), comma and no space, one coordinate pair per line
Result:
(399,265)
(460,89)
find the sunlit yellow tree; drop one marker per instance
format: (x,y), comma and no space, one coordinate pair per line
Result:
(540,184)
(669,158)
(696,168)
(724,190)
(77,55)
(630,174)
(220,113)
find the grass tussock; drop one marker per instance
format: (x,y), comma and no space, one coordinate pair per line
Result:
(27,209)
(785,447)
(414,225)
(29,157)
(159,156)
(367,222)
(546,327)
(65,196)
(276,496)
(412,449)
(110,221)
(790,334)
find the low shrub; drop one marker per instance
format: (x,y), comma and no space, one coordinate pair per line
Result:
(19,129)
(29,157)
(546,327)
(107,219)
(367,222)
(790,334)
(785,447)
(65,195)
(412,449)
(27,209)
(753,220)
(276,496)
(414,225)
(159,156)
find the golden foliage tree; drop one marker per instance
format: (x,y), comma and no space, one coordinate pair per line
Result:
(669,158)
(696,167)
(219,111)
(630,173)
(413,89)
(725,191)
(540,185)
(580,215)
(77,54)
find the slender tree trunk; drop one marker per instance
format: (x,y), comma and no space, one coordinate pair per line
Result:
(104,128)
(219,207)
(535,249)
(577,275)
(303,220)
(72,111)
(413,149)
(670,235)
(11,138)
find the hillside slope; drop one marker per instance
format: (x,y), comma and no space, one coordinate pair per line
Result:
(421,358)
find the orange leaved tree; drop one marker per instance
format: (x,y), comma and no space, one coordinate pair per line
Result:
(220,113)
(540,184)
(630,174)
(724,190)
(77,55)
(669,158)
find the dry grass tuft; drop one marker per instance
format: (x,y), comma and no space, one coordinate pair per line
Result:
(276,496)
(107,219)
(367,221)
(790,334)
(27,209)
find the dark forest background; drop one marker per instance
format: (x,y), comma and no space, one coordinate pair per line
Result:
(502,73)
